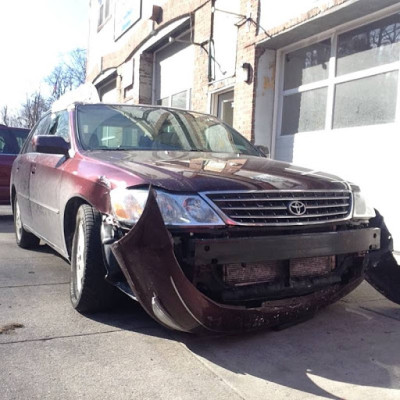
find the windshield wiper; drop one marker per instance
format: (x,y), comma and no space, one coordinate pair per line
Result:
(199,150)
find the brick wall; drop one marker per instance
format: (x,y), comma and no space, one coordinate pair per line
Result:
(140,32)
(246,53)
(145,78)
(200,12)
(202,31)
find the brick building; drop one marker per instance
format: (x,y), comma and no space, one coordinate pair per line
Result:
(314,80)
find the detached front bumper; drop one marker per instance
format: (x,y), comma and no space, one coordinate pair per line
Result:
(146,257)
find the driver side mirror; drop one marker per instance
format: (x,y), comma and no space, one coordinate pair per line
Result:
(264,150)
(51,145)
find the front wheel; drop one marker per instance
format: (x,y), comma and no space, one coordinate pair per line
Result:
(89,290)
(24,239)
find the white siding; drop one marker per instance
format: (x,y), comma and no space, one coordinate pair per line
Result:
(274,13)
(174,68)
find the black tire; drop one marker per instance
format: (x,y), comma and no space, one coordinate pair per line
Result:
(89,290)
(24,239)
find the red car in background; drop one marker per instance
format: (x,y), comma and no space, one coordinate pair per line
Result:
(11,141)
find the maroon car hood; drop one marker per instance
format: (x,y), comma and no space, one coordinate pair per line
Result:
(196,172)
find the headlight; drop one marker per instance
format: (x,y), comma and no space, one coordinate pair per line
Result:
(181,210)
(361,209)
(128,205)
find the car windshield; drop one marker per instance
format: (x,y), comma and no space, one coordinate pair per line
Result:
(123,127)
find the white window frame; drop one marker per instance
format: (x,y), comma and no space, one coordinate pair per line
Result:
(102,13)
(188,99)
(332,80)
(213,98)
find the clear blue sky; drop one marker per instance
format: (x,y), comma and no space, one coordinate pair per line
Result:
(34,36)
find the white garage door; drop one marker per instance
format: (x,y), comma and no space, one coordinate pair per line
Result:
(340,110)
(174,73)
(108,92)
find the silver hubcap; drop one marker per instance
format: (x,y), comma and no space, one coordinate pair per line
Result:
(80,258)
(18,222)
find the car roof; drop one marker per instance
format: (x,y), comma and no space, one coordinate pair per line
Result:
(12,129)
(149,106)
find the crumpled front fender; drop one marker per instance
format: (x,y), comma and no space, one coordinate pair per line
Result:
(146,257)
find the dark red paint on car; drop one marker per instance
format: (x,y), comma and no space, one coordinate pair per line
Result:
(180,212)
(11,141)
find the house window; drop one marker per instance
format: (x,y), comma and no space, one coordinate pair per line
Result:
(104,12)
(349,79)
(108,91)
(224,106)
(177,100)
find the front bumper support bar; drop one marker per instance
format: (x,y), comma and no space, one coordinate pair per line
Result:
(258,249)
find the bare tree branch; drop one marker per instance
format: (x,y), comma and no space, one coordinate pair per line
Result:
(10,119)
(77,66)
(5,118)
(69,74)
(32,109)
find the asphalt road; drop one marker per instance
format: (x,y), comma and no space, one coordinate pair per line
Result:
(351,350)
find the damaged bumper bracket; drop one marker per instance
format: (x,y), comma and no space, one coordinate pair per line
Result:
(383,271)
(229,251)
(146,257)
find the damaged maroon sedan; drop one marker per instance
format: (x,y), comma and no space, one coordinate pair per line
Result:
(183,214)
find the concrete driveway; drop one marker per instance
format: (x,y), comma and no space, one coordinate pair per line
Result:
(351,350)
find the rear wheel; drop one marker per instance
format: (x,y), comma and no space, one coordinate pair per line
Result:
(24,239)
(89,290)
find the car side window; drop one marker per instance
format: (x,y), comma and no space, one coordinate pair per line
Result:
(60,126)
(2,141)
(42,128)
(11,140)
(21,138)
(8,143)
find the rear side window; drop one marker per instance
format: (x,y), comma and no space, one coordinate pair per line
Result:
(12,140)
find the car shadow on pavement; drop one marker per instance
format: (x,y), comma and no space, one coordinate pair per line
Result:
(6,224)
(337,346)
(129,315)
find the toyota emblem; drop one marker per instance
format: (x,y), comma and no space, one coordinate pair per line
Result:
(297,208)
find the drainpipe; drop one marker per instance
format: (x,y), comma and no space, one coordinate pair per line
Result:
(211,43)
